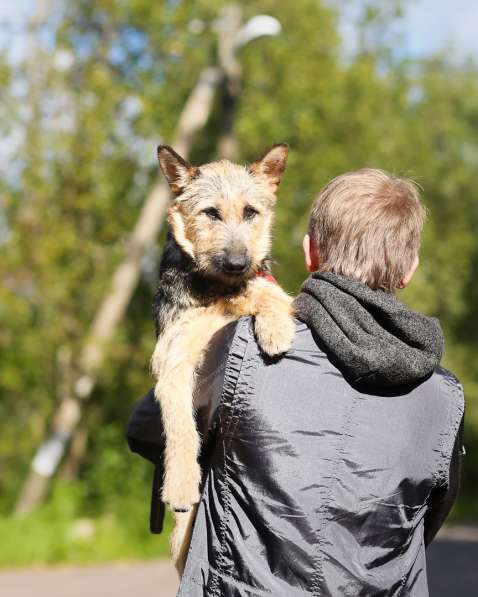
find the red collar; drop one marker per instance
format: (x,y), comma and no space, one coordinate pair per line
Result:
(268,276)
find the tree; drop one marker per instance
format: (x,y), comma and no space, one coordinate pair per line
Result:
(109,81)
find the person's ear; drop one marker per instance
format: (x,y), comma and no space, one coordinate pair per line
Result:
(177,171)
(310,254)
(405,281)
(271,164)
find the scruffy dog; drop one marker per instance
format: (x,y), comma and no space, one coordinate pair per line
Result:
(213,271)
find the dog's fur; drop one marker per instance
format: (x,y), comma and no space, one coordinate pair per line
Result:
(211,273)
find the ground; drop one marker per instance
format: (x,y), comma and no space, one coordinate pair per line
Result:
(138,579)
(453,563)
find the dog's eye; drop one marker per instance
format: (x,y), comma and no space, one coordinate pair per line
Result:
(249,213)
(212,212)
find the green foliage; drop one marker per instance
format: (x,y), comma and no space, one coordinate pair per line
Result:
(85,112)
(65,531)
(102,516)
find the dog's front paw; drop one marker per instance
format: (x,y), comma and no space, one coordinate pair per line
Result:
(181,491)
(274,332)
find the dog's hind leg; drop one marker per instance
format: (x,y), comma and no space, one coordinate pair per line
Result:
(181,537)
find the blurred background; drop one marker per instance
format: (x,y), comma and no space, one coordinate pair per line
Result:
(88,90)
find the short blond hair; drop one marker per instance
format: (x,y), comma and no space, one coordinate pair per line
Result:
(367,225)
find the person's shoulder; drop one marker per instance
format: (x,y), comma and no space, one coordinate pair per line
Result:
(449,405)
(447,417)
(449,386)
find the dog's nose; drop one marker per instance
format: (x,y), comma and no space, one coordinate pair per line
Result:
(236,264)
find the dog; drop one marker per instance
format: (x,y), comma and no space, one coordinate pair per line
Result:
(215,268)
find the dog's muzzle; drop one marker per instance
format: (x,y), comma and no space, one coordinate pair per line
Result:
(234,264)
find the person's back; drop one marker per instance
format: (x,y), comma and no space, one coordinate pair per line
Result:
(328,471)
(319,487)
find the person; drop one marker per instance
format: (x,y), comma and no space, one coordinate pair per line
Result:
(330,470)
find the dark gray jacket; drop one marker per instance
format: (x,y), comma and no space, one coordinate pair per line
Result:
(321,477)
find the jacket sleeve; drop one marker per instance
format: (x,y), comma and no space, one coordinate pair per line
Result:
(145,432)
(442,501)
(145,437)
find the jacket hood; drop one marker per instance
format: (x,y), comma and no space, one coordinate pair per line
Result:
(371,336)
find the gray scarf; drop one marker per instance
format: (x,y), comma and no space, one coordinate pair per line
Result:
(370,336)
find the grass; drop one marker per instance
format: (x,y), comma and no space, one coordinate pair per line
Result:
(60,533)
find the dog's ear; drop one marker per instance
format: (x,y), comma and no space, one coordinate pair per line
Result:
(272,164)
(177,171)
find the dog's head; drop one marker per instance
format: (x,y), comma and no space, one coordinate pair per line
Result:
(221,214)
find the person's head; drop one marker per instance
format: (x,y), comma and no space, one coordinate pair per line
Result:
(366,225)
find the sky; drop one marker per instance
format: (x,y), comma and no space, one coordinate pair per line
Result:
(429,26)
(433,24)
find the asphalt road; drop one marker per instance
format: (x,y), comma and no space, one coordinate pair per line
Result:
(452,572)
(138,579)
(453,568)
